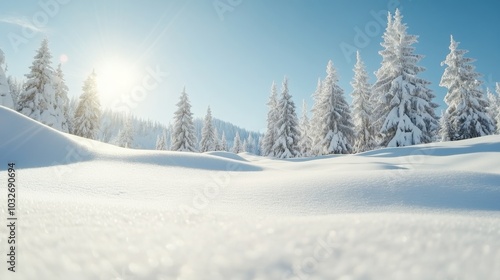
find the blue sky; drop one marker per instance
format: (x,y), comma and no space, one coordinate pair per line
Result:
(227,57)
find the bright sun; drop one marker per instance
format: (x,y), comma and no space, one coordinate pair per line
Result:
(115,77)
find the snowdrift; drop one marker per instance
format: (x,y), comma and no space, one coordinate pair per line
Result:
(89,210)
(32,144)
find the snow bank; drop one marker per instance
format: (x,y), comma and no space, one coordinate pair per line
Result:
(89,210)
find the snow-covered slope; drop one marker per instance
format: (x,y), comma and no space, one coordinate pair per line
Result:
(88,210)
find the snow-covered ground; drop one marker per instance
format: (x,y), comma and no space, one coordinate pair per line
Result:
(88,210)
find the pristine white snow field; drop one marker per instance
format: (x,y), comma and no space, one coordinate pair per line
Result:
(88,210)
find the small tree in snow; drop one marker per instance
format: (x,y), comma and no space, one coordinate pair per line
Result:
(250,144)
(361,109)
(183,135)
(88,112)
(286,144)
(467,107)
(161,141)
(223,141)
(272,117)
(237,146)
(497,117)
(5,92)
(315,124)
(38,98)
(62,101)
(305,141)
(208,137)
(16,87)
(493,104)
(126,134)
(333,116)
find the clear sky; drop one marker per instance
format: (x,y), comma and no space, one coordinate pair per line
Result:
(228,52)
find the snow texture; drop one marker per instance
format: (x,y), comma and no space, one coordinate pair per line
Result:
(89,210)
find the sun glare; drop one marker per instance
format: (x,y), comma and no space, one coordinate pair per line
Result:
(115,77)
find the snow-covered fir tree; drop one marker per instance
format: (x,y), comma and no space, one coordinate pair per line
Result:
(161,141)
(244,146)
(88,111)
(305,141)
(223,141)
(272,117)
(249,144)
(332,115)
(315,124)
(361,109)
(5,93)
(16,87)
(497,117)
(208,137)
(218,142)
(37,100)
(404,107)
(237,145)
(126,134)
(183,135)
(466,114)
(286,144)
(493,104)
(61,105)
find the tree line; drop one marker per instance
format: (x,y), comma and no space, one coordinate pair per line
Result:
(397,110)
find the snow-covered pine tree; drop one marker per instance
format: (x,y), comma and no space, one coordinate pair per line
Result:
(444,128)
(126,134)
(218,141)
(208,138)
(61,106)
(272,116)
(404,111)
(286,144)
(161,141)
(250,144)
(5,94)
(16,87)
(333,116)
(497,117)
(183,135)
(88,111)
(467,106)
(237,147)
(361,109)
(38,97)
(244,146)
(493,105)
(315,124)
(223,141)
(305,141)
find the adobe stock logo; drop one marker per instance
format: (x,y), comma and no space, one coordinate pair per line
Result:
(374,28)
(36,24)
(224,6)
(150,82)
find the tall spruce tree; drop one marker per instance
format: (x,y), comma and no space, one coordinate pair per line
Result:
(466,114)
(362,110)
(332,116)
(208,137)
(87,116)
(286,144)
(37,101)
(272,116)
(404,108)
(183,135)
